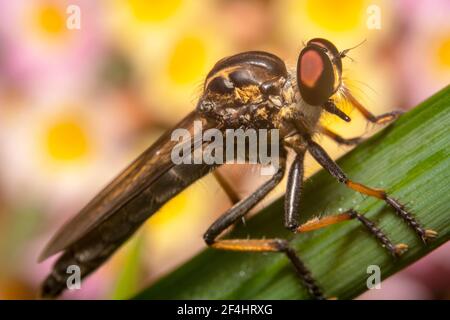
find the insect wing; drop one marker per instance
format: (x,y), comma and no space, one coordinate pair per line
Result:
(139,175)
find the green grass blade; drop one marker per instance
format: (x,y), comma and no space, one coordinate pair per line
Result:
(128,279)
(410,158)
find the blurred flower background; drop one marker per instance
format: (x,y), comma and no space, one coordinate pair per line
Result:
(78,104)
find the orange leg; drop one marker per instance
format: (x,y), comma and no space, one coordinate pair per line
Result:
(273,245)
(328,164)
(318,223)
(239,210)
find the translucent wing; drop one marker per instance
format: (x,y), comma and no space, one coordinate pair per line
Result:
(139,175)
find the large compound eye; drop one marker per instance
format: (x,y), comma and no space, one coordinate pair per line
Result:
(315,75)
(333,51)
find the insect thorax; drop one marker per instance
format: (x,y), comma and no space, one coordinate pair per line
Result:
(239,90)
(255,90)
(248,107)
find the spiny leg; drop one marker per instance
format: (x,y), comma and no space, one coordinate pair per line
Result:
(292,201)
(372,228)
(262,245)
(274,245)
(339,139)
(381,119)
(328,164)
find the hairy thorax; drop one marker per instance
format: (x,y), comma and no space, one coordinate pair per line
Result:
(248,106)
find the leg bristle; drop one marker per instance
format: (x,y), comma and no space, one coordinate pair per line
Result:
(430,234)
(376,232)
(410,219)
(400,249)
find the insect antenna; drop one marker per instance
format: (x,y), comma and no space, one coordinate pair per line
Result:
(343,53)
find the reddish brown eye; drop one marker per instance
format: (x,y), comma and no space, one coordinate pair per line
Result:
(315,75)
(311,66)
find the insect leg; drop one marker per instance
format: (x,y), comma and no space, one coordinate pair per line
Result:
(321,156)
(339,139)
(381,119)
(260,245)
(242,207)
(314,224)
(292,200)
(293,192)
(274,245)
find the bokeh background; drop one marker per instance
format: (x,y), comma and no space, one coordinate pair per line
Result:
(77,105)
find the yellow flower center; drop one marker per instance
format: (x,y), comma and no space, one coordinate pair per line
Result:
(171,210)
(444,53)
(336,15)
(67,140)
(187,60)
(51,19)
(153,10)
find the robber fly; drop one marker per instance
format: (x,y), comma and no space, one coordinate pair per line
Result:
(248,90)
